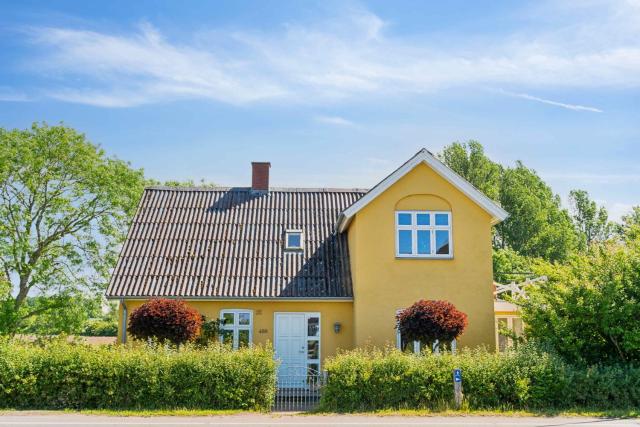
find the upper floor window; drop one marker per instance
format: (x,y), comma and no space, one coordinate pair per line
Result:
(294,240)
(423,234)
(236,328)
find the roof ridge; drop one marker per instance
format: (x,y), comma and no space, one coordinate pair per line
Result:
(271,189)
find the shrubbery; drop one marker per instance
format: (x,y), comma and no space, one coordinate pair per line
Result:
(61,375)
(428,321)
(165,319)
(527,378)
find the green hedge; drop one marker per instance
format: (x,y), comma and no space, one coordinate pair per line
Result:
(61,375)
(529,378)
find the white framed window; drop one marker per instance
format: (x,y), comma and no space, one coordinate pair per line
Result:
(237,328)
(294,240)
(423,234)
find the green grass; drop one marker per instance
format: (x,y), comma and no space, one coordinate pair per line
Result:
(576,412)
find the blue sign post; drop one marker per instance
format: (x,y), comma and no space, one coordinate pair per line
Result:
(457,386)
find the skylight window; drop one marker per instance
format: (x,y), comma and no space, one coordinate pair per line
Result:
(294,240)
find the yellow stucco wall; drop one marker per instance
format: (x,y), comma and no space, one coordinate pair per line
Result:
(384,283)
(263,318)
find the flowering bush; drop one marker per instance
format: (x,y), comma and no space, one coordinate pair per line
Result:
(165,320)
(428,321)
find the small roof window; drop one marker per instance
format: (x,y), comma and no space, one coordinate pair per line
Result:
(294,240)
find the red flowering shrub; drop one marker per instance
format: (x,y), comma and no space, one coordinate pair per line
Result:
(428,321)
(165,320)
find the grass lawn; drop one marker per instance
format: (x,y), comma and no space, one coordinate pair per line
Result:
(581,412)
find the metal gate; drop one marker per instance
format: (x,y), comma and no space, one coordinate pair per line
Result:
(299,391)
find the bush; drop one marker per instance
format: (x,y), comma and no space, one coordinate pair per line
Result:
(528,378)
(61,375)
(100,328)
(428,321)
(163,320)
(588,310)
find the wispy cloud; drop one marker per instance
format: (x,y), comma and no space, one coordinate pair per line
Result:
(574,107)
(348,57)
(8,94)
(334,120)
(594,178)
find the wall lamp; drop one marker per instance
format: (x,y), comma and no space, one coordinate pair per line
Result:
(336,327)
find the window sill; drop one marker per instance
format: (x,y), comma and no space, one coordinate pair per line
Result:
(445,257)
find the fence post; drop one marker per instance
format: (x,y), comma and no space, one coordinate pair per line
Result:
(457,387)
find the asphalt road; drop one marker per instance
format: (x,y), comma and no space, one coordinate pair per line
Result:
(76,420)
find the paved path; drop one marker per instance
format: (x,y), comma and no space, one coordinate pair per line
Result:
(76,420)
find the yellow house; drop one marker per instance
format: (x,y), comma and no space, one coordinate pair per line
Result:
(315,270)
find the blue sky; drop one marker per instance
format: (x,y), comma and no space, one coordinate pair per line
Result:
(335,93)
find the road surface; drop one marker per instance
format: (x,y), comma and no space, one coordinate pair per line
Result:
(30,419)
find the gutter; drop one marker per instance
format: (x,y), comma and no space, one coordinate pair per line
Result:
(123,338)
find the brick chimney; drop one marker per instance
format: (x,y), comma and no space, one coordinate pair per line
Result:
(260,176)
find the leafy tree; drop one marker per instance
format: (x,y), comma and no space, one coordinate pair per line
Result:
(509,265)
(165,320)
(469,161)
(71,318)
(630,227)
(538,226)
(591,222)
(429,320)
(588,310)
(64,209)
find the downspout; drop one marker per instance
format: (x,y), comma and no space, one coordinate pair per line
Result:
(124,321)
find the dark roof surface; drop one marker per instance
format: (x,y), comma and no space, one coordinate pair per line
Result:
(229,243)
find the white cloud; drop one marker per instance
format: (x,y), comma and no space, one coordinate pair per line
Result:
(594,178)
(574,107)
(334,120)
(8,94)
(350,57)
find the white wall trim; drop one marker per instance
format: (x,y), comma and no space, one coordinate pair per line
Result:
(423,156)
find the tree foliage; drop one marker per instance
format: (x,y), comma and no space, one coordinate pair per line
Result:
(591,221)
(538,226)
(64,208)
(165,320)
(430,320)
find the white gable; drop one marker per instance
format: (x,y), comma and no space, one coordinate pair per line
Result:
(423,156)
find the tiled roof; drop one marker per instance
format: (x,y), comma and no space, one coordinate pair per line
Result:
(229,243)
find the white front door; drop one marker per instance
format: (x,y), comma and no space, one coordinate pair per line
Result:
(297,345)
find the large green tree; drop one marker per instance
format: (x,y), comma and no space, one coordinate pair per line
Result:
(591,221)
(538,226)
(64,209)
(468,160)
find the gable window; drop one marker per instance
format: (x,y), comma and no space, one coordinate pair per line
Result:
(423,234)
(294,240)
(237,328)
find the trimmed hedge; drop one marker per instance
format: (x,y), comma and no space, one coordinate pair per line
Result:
(363,380)
(61,375)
